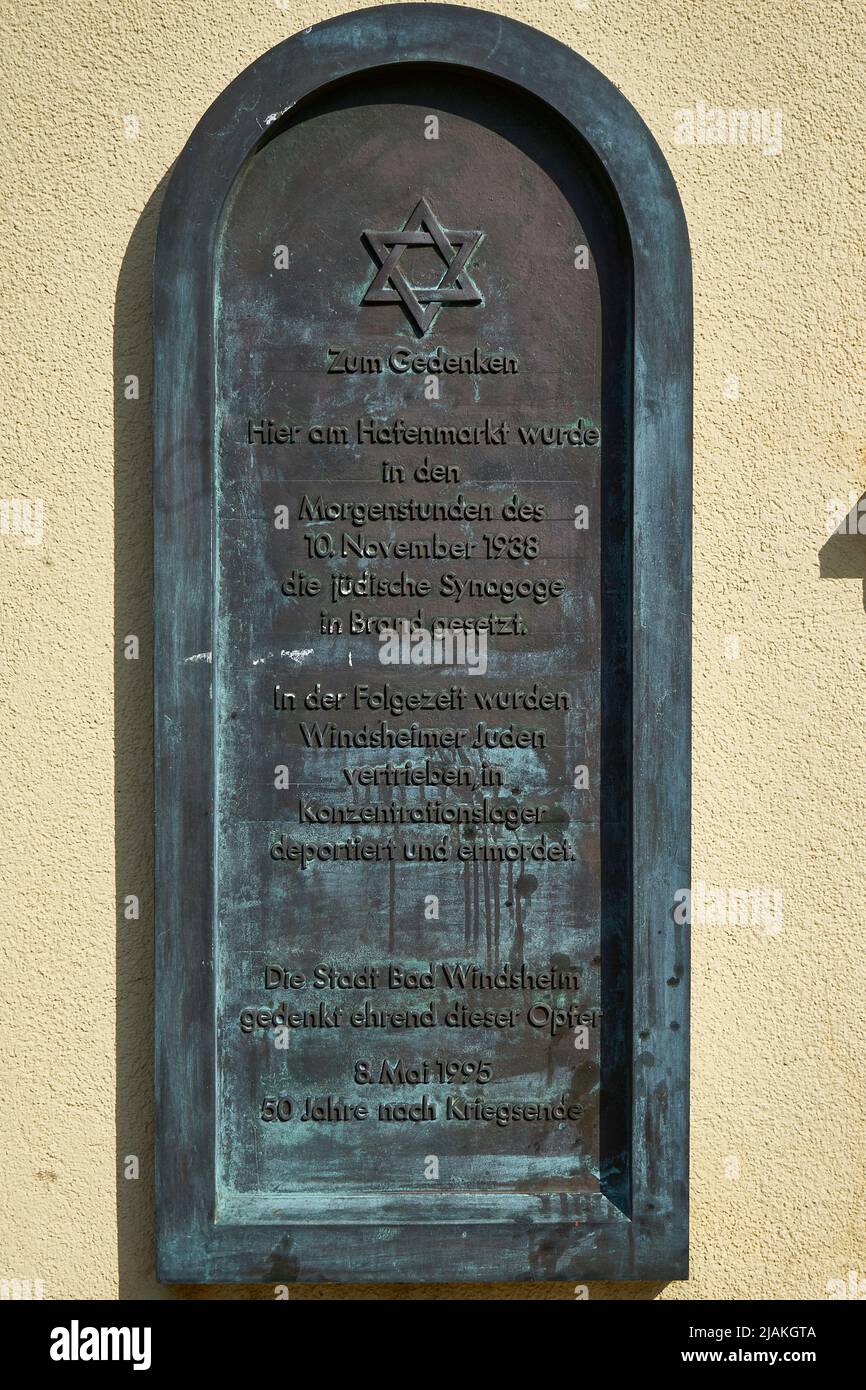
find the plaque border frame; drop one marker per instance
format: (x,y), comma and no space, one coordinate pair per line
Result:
(516,1237)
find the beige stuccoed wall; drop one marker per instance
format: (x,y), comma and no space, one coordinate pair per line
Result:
(777,1148)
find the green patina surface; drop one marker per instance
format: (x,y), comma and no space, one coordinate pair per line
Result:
(541,166)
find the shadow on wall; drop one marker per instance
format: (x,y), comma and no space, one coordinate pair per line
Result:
(133,827)
(843,554)
(133,756)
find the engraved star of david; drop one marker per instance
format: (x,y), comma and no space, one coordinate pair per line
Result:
(423,302)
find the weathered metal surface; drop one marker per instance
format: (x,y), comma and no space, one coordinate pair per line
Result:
(453,245)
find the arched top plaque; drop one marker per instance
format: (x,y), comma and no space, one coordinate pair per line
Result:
(422,414)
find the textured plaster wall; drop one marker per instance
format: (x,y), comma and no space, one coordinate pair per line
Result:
(779,631)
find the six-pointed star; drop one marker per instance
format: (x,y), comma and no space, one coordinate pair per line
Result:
(423,303)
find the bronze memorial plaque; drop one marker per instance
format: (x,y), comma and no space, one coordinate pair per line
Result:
(422,432)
